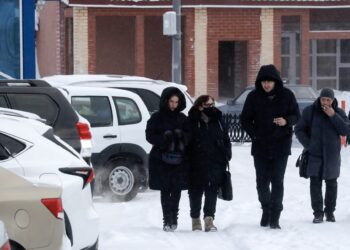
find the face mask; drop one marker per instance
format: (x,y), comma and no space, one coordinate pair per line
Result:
(210,111)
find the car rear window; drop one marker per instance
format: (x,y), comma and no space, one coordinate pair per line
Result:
(12,145)
(127,111)
(39,104)
(96,109)
(3,102)
(150,99)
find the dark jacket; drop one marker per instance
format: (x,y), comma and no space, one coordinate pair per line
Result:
(210,148)
(259,111)
(320,135)
(163,176)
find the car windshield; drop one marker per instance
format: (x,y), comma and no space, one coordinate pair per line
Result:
(303,92)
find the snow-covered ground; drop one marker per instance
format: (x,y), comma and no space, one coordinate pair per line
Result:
(137,225)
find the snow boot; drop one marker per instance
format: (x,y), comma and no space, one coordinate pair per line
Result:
(196,224)
(265,218)
(330,217)
(167,223)
(274,220)
(209,225)
(318,218)
(173,223)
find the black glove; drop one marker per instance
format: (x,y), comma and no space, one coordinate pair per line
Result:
(178,133)
(168,141)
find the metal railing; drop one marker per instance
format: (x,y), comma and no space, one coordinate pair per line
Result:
(235,131)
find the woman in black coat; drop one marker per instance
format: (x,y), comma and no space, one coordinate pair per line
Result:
(210,152)
(319,132)
(168,169)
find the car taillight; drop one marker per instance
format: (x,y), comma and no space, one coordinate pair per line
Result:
(55,206)
(84,131)
(86,173)
(6,246)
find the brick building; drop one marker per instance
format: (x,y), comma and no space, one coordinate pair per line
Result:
(224,41)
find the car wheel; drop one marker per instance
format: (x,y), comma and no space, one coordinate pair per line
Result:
(121,181)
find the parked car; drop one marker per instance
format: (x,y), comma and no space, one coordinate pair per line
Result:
(37,96)
(30,149)
(32,211)
(120,151)
(304,94)
(4,240)
(148,89)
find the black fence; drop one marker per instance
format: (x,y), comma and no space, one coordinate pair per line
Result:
(235,131)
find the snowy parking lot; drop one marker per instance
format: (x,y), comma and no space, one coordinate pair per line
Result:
(137,225)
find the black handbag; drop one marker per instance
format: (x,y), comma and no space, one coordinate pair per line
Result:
(225,189)
(302,163)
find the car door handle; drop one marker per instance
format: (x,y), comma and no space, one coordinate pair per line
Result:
(110,136)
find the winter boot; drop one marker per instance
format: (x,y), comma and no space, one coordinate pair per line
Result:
(318,218)
(209,225)
(173,223)
(167,224)
(274,220)
(265,218)
(196,224)
(330,217)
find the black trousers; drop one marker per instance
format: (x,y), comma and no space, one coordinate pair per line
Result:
(210,198)
(170,205)
(317,198)
(270,171)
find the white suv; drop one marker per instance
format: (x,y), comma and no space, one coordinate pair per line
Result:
(148,89)
(29,148)
(119,148)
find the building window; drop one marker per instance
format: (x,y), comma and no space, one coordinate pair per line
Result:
(330,64)
(290,49)
(329,19)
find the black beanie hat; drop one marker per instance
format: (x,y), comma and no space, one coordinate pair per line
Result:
(326,92)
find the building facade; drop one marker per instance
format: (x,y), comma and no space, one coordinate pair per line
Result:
(224,42)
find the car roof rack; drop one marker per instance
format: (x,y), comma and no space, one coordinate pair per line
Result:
(23,83)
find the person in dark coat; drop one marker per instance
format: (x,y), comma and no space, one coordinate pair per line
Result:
(319,131)
(168,132)
(210,152)
(268,116)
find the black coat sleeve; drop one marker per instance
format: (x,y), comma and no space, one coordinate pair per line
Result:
(153,136)
(293,115)
(247,115)
(341,122)
(302,128)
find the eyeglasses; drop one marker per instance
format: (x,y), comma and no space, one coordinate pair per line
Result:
(209,104)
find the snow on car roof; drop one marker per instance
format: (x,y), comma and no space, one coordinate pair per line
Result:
(59,80)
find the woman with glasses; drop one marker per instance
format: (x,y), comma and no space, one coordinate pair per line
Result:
(210,152)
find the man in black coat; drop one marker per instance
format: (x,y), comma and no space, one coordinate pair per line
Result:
(268,116)
(319,131)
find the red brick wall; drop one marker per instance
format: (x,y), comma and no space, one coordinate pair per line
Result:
(232,25)
(157,49)
(152,54)
(115,45)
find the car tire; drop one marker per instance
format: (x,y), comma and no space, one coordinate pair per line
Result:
(121,181)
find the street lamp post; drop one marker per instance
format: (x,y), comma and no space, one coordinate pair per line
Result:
(176,45)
